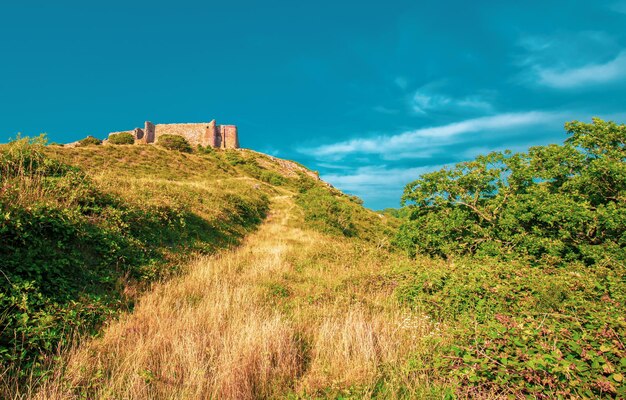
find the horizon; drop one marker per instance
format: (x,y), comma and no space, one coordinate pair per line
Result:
(369,96)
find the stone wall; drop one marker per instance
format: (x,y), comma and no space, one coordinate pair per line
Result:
(194,133)
(148,131)
(230,139)
(210,138)
(203,133)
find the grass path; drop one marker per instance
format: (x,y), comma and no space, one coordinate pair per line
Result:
(291,312)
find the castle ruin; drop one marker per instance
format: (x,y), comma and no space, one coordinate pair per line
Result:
(206,134)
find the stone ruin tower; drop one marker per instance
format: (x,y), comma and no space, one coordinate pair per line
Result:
(203,133)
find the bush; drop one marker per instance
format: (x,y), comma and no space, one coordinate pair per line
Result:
(121,138)
(272,178)
(554,204)
(205,150)
(90,141)
(174,142)
(524,328)
(527,331)
(234,158)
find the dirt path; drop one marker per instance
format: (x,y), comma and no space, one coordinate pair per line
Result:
(290,311)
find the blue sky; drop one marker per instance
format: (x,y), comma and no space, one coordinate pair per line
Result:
(371,94)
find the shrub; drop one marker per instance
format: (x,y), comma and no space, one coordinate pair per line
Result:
(530,332)
(554,204)
(121,138)
(272,178)
(90,141)
(234,158)
(523,328)
(174,142)
(205,150)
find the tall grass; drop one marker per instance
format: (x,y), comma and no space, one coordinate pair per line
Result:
(23,168)
(224,331)
(80,238)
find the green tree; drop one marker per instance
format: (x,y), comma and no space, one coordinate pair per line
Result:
(554,203)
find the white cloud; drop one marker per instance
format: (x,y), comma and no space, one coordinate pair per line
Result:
(376,176)
(377,183)
(424,140)
(590,74)
(569,60)
(424,101)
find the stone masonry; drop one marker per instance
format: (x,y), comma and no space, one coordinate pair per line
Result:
(202,133)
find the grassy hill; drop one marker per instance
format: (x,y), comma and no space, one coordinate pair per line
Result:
(138,272)
(86,230)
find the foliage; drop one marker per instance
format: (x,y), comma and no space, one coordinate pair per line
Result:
(234,158)
(271,177)
(90,141)
(326,212)
(121,138)
(538,311)
(205,150)
(523,330)
(73,248)
(553,204)
(402,213)
(333,212)
(174,142)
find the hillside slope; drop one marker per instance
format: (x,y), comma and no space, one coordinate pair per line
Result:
(87,229)
(291,312)
(257,280)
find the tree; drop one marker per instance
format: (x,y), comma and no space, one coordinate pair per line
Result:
(552,204)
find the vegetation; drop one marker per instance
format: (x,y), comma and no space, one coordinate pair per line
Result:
(174,142)
(75,248)
(293,313)
(513,285)
(90,141)
(121,138)
(554,204)
(540,310)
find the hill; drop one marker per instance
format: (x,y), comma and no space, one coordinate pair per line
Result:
(86,230)
(232,274)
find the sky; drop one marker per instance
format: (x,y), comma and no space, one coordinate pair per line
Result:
(371,94)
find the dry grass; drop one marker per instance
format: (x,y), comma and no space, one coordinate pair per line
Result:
(290,312)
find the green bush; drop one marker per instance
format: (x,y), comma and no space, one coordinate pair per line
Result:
(234,158)
(174,142)
(525,331)
(326,212)
(553,204)
(121,138)
(205,150)
(90,141)
(272,178)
